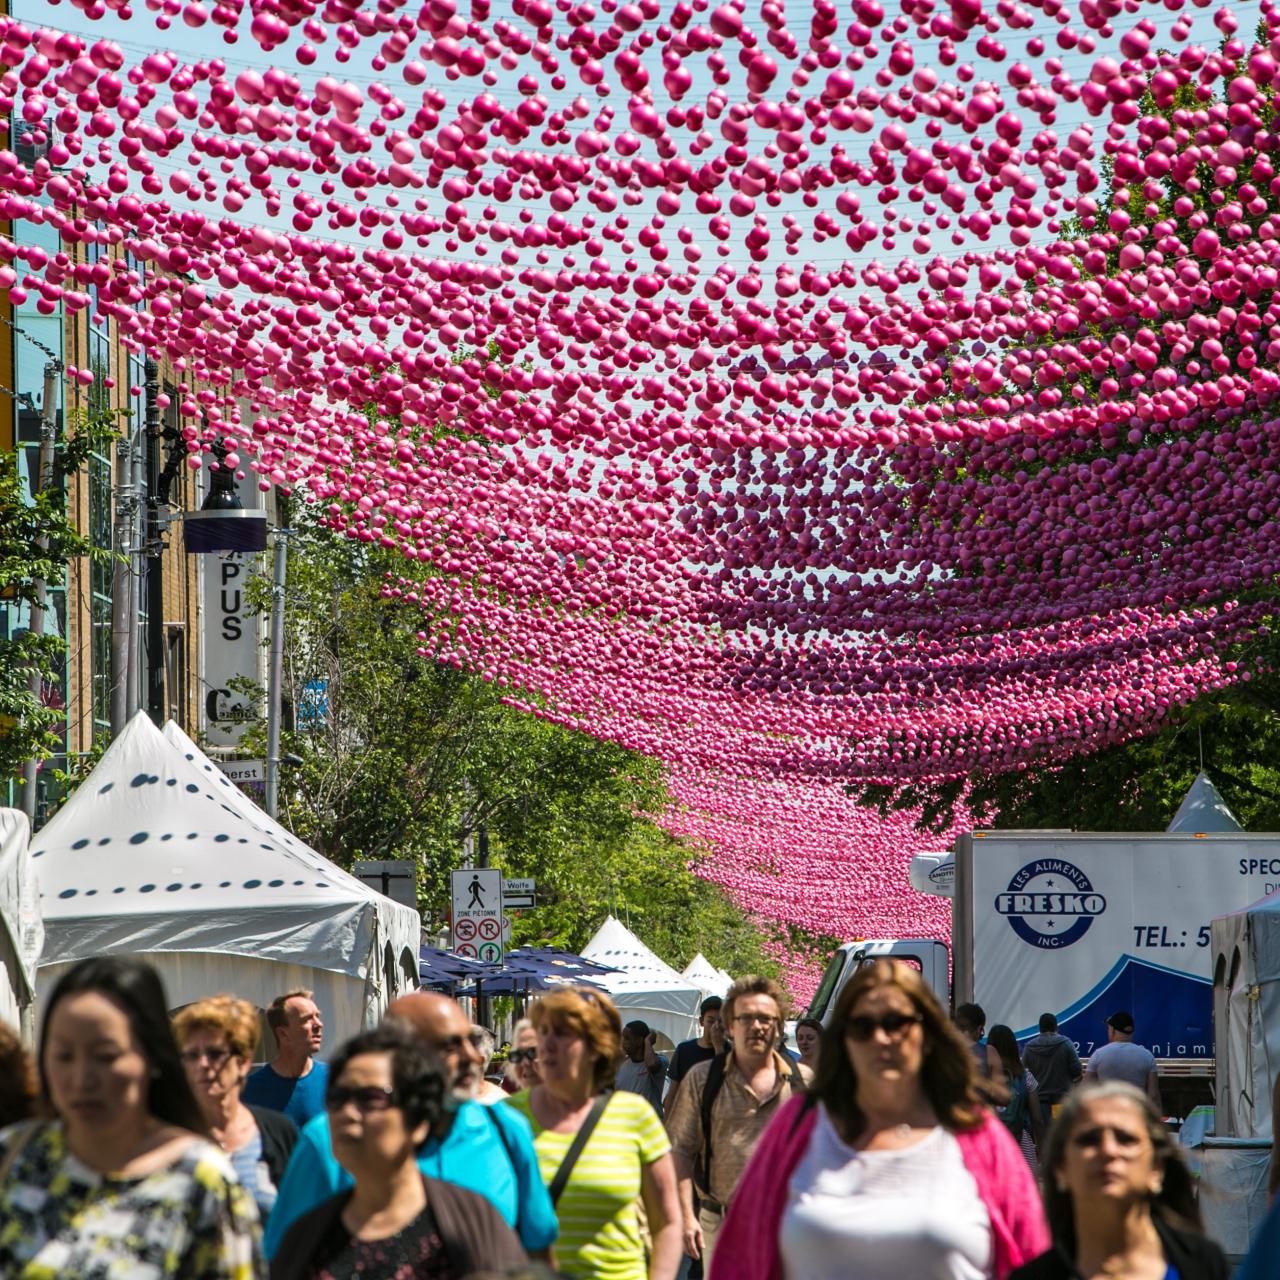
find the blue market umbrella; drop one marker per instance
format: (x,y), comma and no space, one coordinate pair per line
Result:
(443,970)
(537,969)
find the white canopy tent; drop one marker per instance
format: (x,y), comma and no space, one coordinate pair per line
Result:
(1203,809)
(158,853)
(21,929)
(646,988)
(706,977)
(1246,1017)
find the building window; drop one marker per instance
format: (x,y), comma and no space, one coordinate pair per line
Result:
(176,673)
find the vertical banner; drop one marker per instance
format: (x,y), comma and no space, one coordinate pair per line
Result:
(231,642)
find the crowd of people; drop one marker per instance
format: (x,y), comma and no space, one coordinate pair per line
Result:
(893,1143)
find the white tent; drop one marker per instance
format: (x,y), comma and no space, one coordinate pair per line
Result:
(157,853)
(1246,1016)
(647,988)
(1203,809)
(21,929)
(706,977)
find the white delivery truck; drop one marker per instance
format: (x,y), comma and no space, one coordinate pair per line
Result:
(1082,924)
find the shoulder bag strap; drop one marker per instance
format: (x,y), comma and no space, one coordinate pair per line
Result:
(711,1087)
(580,1140)
(490,1112)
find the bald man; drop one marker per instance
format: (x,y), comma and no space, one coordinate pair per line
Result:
(488,1150)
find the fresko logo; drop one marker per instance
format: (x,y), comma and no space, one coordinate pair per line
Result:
(1050,903)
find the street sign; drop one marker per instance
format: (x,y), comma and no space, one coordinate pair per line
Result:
(519,893)
(477,914)
(241,771)
(395,877)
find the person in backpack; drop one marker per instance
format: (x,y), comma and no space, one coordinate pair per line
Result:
(1021,1115)
(1053,1060)
(724,1106)
(599,1150)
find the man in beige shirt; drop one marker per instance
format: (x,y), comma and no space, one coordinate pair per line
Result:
(746,1086)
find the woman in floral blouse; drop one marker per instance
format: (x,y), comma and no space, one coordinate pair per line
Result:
(122,1183)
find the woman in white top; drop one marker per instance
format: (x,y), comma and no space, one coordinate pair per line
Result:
(891,1168)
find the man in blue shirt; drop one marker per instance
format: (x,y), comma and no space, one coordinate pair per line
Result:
(294,1082)
(488,1150)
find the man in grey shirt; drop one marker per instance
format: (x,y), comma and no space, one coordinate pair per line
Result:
(1121,1059)
(643,1070)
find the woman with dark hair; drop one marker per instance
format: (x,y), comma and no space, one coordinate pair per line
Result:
(1120,1200)
(808,1038)
(17,1079)
(599,1152)
(1021,1114)
(124,1180)
(890,1166)
(386,1094)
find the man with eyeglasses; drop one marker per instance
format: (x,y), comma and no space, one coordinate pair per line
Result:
(484,1149)
(724,1105)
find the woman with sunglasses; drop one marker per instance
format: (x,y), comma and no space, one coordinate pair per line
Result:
(1120,1201)
(121,1180)
(386,1093)
(216,1042)
(522,1058)
(890,1167)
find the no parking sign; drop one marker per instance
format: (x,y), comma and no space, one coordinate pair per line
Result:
(477,914)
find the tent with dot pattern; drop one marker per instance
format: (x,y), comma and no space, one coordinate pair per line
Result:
(159,854)
(21,930)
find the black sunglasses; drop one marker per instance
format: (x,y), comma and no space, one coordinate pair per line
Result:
(367,1098)
(522,1055)
(864,1027)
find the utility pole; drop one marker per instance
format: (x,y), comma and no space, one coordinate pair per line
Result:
(124,610)
(39,607)
(275,675)
(155,552)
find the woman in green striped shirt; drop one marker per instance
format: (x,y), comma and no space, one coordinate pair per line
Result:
(626,1157)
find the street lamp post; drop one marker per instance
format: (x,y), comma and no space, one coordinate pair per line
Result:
(155,552)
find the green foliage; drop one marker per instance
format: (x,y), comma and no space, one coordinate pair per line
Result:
(412,756)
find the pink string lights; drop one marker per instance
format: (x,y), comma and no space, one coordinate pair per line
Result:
(631,327)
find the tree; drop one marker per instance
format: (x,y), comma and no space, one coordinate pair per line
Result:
(405,757)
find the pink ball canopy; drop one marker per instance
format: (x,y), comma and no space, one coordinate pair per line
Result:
(807,399)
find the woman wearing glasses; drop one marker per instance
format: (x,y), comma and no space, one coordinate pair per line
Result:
(121,1180)
(599,1152)
(385,1095)
(890,1166)
(522,1058)
(216,1042)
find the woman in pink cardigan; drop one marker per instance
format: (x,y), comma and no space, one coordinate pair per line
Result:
(891,1168)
